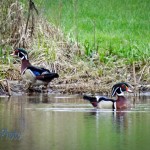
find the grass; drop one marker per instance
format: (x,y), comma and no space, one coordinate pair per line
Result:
(119,28)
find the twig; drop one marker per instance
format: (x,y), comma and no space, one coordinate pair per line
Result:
(142,73)
(134,74)
(134,77)
(8,86)
(28,18)
(1,81)
(31,7)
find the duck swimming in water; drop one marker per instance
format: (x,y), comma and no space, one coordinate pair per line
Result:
(107,103)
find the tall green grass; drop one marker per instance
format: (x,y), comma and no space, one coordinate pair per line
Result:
(114,29)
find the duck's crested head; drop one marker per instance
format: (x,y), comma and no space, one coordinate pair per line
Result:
(120,88)
(21,53)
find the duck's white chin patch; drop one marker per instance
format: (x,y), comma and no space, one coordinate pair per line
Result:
(121,94)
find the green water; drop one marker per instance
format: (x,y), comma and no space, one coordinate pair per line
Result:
(56,122)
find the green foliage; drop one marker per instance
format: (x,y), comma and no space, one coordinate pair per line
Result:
(5,60)
(5,56)
(117,28)
(10,19)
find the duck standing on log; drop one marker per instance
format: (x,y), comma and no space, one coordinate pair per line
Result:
(32,75)
(107,103)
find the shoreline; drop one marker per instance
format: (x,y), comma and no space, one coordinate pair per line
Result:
(16,87)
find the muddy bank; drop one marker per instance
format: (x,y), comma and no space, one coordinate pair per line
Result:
(87,88)
(17,87)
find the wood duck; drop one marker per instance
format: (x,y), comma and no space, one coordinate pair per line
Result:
(106,103)
(33,75)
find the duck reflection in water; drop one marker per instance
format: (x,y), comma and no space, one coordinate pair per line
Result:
(38,98)
(116,119)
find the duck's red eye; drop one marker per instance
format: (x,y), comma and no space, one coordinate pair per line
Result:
(16,52)
(123,87)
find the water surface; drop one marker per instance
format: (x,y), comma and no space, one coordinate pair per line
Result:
(59,122)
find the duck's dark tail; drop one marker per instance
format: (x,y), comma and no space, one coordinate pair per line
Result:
(47,77)
(92,99)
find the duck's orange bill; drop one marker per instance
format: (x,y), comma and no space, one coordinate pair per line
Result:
(13,54)
(129,90)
